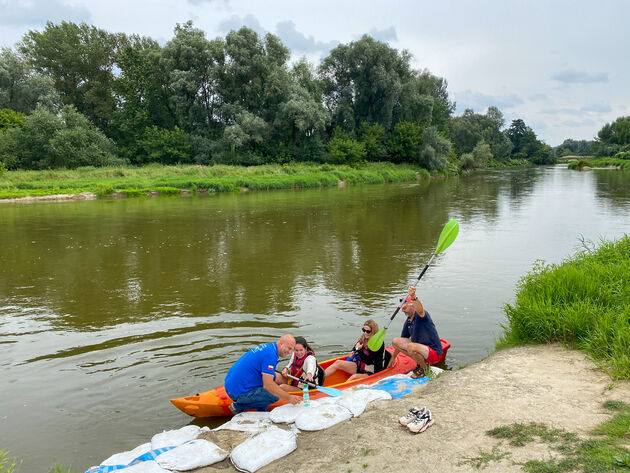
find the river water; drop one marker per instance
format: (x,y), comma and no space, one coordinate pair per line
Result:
(110,308)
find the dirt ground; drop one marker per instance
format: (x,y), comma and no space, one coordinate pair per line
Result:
(543,383)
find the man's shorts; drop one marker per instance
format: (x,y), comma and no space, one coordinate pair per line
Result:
(433,356)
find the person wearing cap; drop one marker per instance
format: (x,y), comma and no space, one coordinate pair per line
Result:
(250,382)
(419,338)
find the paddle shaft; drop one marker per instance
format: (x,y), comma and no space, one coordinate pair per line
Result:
(325,390)
(424,270)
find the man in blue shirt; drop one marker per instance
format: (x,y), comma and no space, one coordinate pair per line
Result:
(250,381)
(419,339)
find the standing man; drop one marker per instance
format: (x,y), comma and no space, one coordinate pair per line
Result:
(419,339)
(250,381)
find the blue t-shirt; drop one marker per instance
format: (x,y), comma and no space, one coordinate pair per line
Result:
(422,330)
(246,373)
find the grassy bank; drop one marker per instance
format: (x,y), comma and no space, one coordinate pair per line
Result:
(583,302)
(600,163)
(220,178)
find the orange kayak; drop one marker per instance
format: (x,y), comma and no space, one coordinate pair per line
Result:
(214,403)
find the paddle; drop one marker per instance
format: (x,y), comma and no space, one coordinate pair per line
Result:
(330,391)
(448,235)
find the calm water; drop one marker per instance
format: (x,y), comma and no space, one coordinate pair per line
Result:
(110,308)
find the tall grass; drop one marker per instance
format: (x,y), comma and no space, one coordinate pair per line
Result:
(220,178)
(583,302)
(600,163)
(8,465)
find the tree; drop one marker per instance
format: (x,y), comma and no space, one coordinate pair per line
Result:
(10,118)
(526,144)
(80,59)
(403,144)
(470,128)
(47,140)
(21,89)
(165,146)
(373,139)
(344,150)
(435,148)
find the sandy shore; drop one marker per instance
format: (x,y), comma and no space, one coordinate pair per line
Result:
(544,383)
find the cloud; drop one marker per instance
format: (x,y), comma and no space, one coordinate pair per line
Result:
(585,122)
(480,102)
(571,76)
(299,42)
(35,13)
(538,97)
(597,108)
(236,23)
(385,35)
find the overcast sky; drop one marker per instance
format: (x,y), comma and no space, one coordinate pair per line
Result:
(562,66)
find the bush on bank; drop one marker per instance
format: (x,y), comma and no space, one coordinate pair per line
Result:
(583,302)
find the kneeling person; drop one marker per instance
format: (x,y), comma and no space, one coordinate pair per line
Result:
(250,382)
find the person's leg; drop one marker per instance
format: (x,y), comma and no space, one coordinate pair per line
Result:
(358,375)
(347,366)
(258,399)
(416,351)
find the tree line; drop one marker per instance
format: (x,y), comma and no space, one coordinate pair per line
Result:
(75,95)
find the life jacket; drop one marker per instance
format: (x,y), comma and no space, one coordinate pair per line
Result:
(297,367)
(361,364)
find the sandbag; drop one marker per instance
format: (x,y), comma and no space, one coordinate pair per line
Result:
(286,413)
(124,458)
(251,422)
(173,438)
(321,417)
(194,454)
(357,400)
(262,449)
(145,467)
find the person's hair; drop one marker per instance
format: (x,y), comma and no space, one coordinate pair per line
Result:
(302,341)
(370,323)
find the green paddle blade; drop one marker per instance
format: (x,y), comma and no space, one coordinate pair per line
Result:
(376,341)
(448,235)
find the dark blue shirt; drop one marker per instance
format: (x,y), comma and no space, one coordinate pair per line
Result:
(422,330)
(246,373)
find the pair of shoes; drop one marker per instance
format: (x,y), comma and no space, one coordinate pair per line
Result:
(421,423)
(411,415)
(418,373)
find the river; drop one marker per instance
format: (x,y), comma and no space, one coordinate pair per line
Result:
(109,308)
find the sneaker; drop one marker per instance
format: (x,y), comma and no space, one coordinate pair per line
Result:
(421,423)
(411,415)
(418,373)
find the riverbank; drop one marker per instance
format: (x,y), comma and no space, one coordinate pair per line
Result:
(156,180)
(599,163)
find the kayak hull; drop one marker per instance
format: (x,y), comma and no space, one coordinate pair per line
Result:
(214,403)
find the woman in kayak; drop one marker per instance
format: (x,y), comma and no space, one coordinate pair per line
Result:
(361,361)
(302,364)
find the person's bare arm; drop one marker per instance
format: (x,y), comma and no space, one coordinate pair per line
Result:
(270,385)
(417,305)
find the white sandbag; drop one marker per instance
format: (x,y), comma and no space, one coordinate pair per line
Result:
(173,438)
(321,417)
(356,400)
(251,422)
(286,413)
(145,467)
(262,449)
(324,400)
(124,458)
(194,454)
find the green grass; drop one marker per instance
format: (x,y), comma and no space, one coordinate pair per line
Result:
(8,464)
(483,460)
(583,302)
(170,180)
(600,163)
(605,451)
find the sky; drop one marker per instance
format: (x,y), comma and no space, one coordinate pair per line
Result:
(561,66)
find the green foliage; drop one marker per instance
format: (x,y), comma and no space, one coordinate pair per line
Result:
(7,464)
(584,302)
(47,140)
(344,150)
(483,460)
(10,118)
(469,129)
(403,144)
(435,149)
(479,157)
(165,146)
(373,139)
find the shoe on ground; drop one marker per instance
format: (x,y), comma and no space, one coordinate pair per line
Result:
(421,423)
(411,415)
(418,373)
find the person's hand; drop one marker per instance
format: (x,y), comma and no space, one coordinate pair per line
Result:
(294,399)
(285,372)
(358,346)
(309,377)
(412,292)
